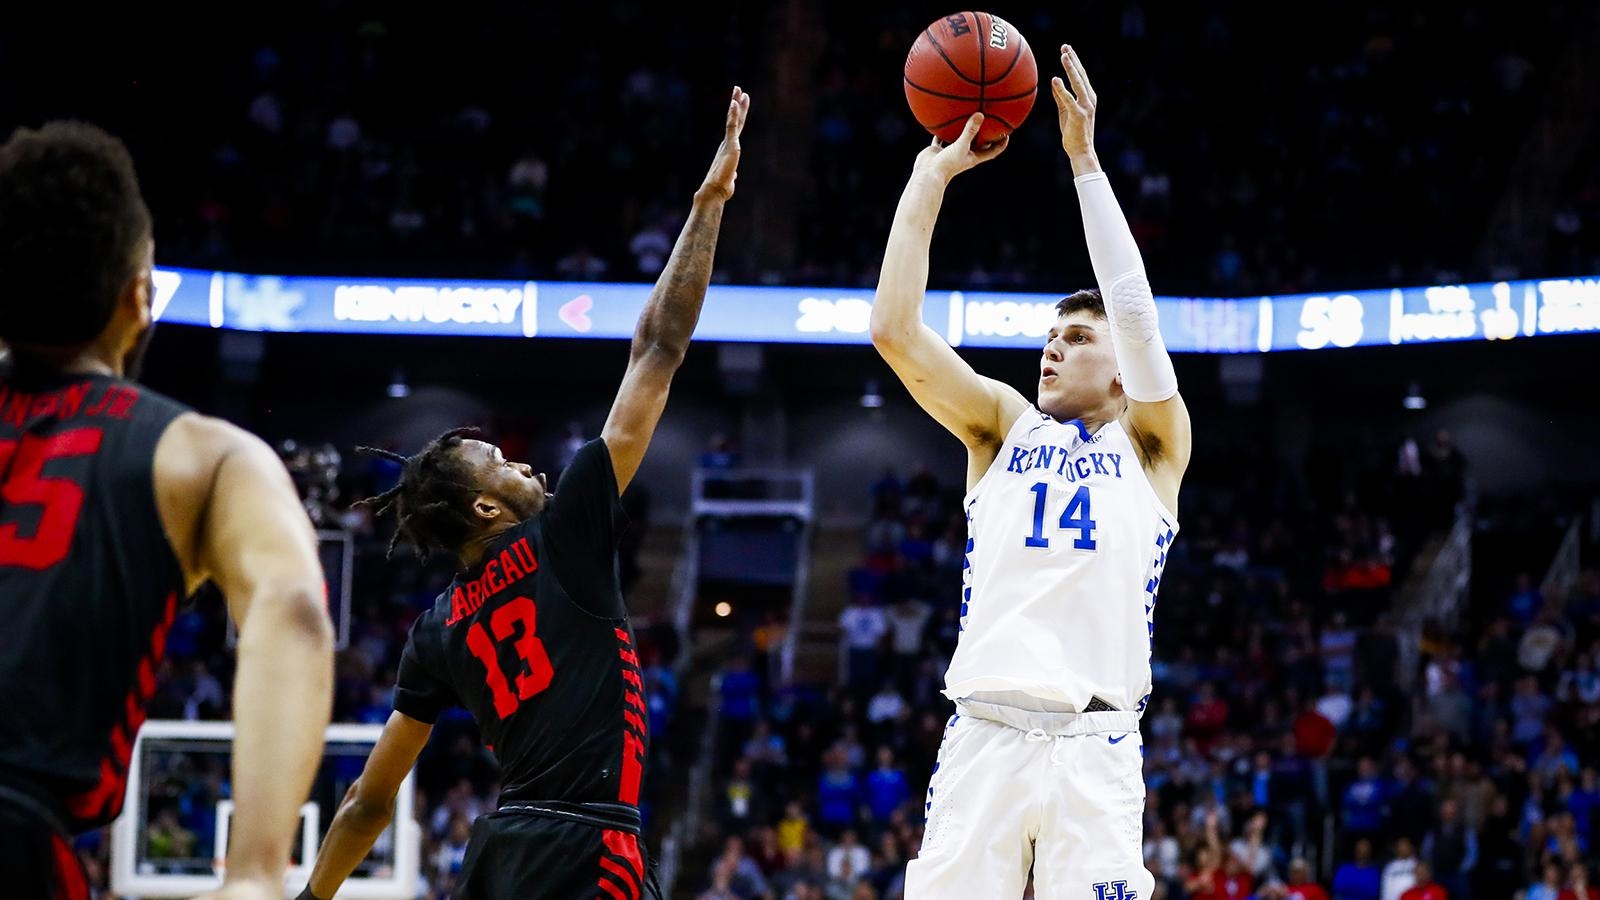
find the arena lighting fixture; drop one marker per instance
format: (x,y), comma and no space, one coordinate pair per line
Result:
(870,398)
(724,609)
(1414,398)
(398,388)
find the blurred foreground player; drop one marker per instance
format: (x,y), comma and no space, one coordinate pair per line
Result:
(1071,507)
(532,636)
(115,504)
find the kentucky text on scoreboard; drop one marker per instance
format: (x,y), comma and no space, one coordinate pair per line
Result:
(1488,311)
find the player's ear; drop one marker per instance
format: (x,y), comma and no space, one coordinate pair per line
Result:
(137,295)
(486,508)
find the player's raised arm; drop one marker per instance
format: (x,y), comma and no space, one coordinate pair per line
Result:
(1156,417)
(670,315)
(252,537)
(976,409)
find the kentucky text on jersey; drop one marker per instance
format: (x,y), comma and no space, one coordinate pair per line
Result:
(512,565)
(1024,460)
(88,399)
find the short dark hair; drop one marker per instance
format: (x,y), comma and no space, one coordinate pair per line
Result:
(1088,300)
(433,499)
(72,225)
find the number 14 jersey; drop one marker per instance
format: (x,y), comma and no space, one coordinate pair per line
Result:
(534,641)
(1066,542)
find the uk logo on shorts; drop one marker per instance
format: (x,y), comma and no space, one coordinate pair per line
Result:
(1114,890)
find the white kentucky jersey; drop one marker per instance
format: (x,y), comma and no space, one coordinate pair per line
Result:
(1066,541)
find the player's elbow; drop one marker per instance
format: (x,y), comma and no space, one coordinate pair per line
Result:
(367,807)
(889,335)
(290,613)
(306,618)
(659,352)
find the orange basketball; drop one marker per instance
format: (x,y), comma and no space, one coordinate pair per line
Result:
(966,63)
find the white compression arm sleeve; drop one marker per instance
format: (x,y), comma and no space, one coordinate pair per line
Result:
(1147,373)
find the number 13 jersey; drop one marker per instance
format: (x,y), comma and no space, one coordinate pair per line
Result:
(1066,542)
(534,641)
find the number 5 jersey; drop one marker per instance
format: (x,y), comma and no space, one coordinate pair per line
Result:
(88,583)
(1066,542)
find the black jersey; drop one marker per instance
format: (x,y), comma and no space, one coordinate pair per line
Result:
(534,641)
(88,582)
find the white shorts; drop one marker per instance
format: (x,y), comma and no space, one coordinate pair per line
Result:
(1058,792)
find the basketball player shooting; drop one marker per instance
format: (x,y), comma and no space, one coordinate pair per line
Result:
(532,636)
(1071,507)
(116,503)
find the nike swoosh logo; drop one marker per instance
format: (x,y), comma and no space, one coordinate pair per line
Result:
(1117,740)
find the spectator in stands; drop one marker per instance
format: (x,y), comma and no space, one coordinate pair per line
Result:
(1548,887)
(886,706)
(908,619)
(1540,642)
(1528,710)
(1582,801)
(1250,848)
(453,850)
(1237,882)
(1400,875)
(1525,601)
(887,790)
(1451,850)
(838,794)
(1365,802)
(739,696)
(736,874)
(793,830)
(863,626)
(742,800)
(848,862)
(1411,801)
(167,839)
(1578,885)
(1425,888)
(1163,855)
(1555,759)
(1207,717)
(1301,886)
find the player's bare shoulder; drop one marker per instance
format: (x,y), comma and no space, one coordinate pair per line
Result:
(188,461)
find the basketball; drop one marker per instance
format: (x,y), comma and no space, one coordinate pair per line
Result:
(971,62)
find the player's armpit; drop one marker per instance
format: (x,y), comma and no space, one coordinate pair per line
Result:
(1162,433)
(368,807)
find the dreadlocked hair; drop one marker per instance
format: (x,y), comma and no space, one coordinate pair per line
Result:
(433,500)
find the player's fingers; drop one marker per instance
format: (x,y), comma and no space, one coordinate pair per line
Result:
(731,123)
(1069,61)
(1058,90)
(1083,74)
(974,122)
(994,149)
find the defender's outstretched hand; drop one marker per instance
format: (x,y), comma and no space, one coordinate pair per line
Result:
(950,160)
(1074,108)
(725,165)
